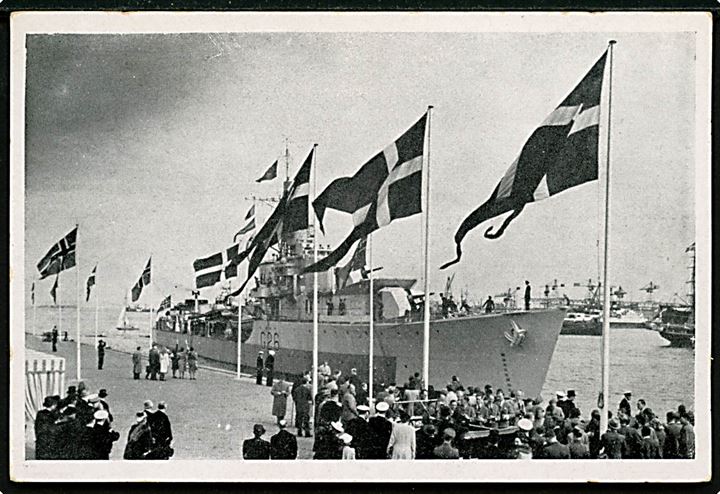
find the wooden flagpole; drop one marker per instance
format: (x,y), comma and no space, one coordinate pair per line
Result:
(605,396)
(426,307)
(315,284)
(78,295)
(371,330)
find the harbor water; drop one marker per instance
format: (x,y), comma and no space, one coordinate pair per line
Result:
(641,361)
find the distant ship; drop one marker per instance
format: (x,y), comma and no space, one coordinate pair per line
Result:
(137,308)
(511,350)
(676,323)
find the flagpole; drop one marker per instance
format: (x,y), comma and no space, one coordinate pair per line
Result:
(57,297)
(315,285)
(605,396)
(77,293)
(426,314)
(239,335)
(97,307)
(371,352)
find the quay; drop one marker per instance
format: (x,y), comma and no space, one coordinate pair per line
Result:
(210,416)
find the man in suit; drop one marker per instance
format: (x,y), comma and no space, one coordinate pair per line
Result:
(101,353)
(446,451)
(625,406)
(672,436)
(259,365)
(270,368)
(381,429)
(360,431)
(137,363)
(256,448)
(303,402)
(650,446)
(280,391)
(161,432)
(54,338)
(612,443)
(633,439)
(153,363)
(578,449)
(527,295)
(45,430)
(554,449)
(283,445)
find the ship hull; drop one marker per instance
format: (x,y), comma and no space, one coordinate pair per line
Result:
(679,339)
(582,328)
(479,350)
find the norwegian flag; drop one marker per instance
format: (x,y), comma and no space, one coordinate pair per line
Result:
(60,257)
(142,282)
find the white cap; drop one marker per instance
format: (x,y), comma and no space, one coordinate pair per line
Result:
(272,352)
(346,438)
(100,415)
(525,424)
(338,426)
(560,394)
(382,407)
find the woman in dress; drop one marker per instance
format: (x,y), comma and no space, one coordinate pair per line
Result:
(192,362)
(164,363)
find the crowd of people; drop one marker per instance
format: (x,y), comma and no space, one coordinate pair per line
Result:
(410,422)
(79,426)
(162,360)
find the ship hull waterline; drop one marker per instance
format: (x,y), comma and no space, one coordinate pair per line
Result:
(478,349)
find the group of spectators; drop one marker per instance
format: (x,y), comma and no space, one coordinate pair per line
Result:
(162,361)
(79,427)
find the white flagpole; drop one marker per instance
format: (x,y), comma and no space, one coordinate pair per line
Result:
(57,298)
(426,314)
(77,293)
(315,284)
(371,352)
(606,288)
(97,307)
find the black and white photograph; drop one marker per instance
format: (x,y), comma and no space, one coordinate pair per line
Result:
(431,244)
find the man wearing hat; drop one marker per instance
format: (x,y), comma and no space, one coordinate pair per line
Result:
(102,404)
(283,445)
(554,449)
(139,442)
(280,392)
(381,429)
(612,443)
(161,430)
(446,451)
(425,442)
(303,403)
(102,436)
(256,448)
(270,368)
(259,368)
(360,431)
(45,430)
(625,406)
(568,402)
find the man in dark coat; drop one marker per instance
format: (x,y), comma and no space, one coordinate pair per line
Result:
(612,443)
(140,441)
(381,429)
(672,436)
(54,338)
(303,402)
(67,431)
(270,368)
(161,431)
(101,353)
(102,394)
(259,365)
(633,439)
(568,404)
(361,433)
(256,448)
(45,430)
(686,442)
(153,363)
(102,436)
(426,441)
(592,429)
(625,406)
(554,449)
(446,451)
(650,449)
(527,295)
(283,445)
(137,363)
(578,449)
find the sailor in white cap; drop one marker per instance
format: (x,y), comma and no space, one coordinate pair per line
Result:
(382,407)
(259,365)
(270,368)
(381,429)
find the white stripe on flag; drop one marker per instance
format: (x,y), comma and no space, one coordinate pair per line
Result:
(391,156)
(542,191)
(360,215)
(404,170)
(562,115)
(586,118)
(301,190)
(506,183)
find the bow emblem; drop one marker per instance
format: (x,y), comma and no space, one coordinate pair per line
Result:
(516,335)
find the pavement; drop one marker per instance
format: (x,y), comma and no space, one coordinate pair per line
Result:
(210,416)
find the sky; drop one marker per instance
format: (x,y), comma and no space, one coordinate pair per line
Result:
(152,144)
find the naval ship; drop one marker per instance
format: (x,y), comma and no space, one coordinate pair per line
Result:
(511,350)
